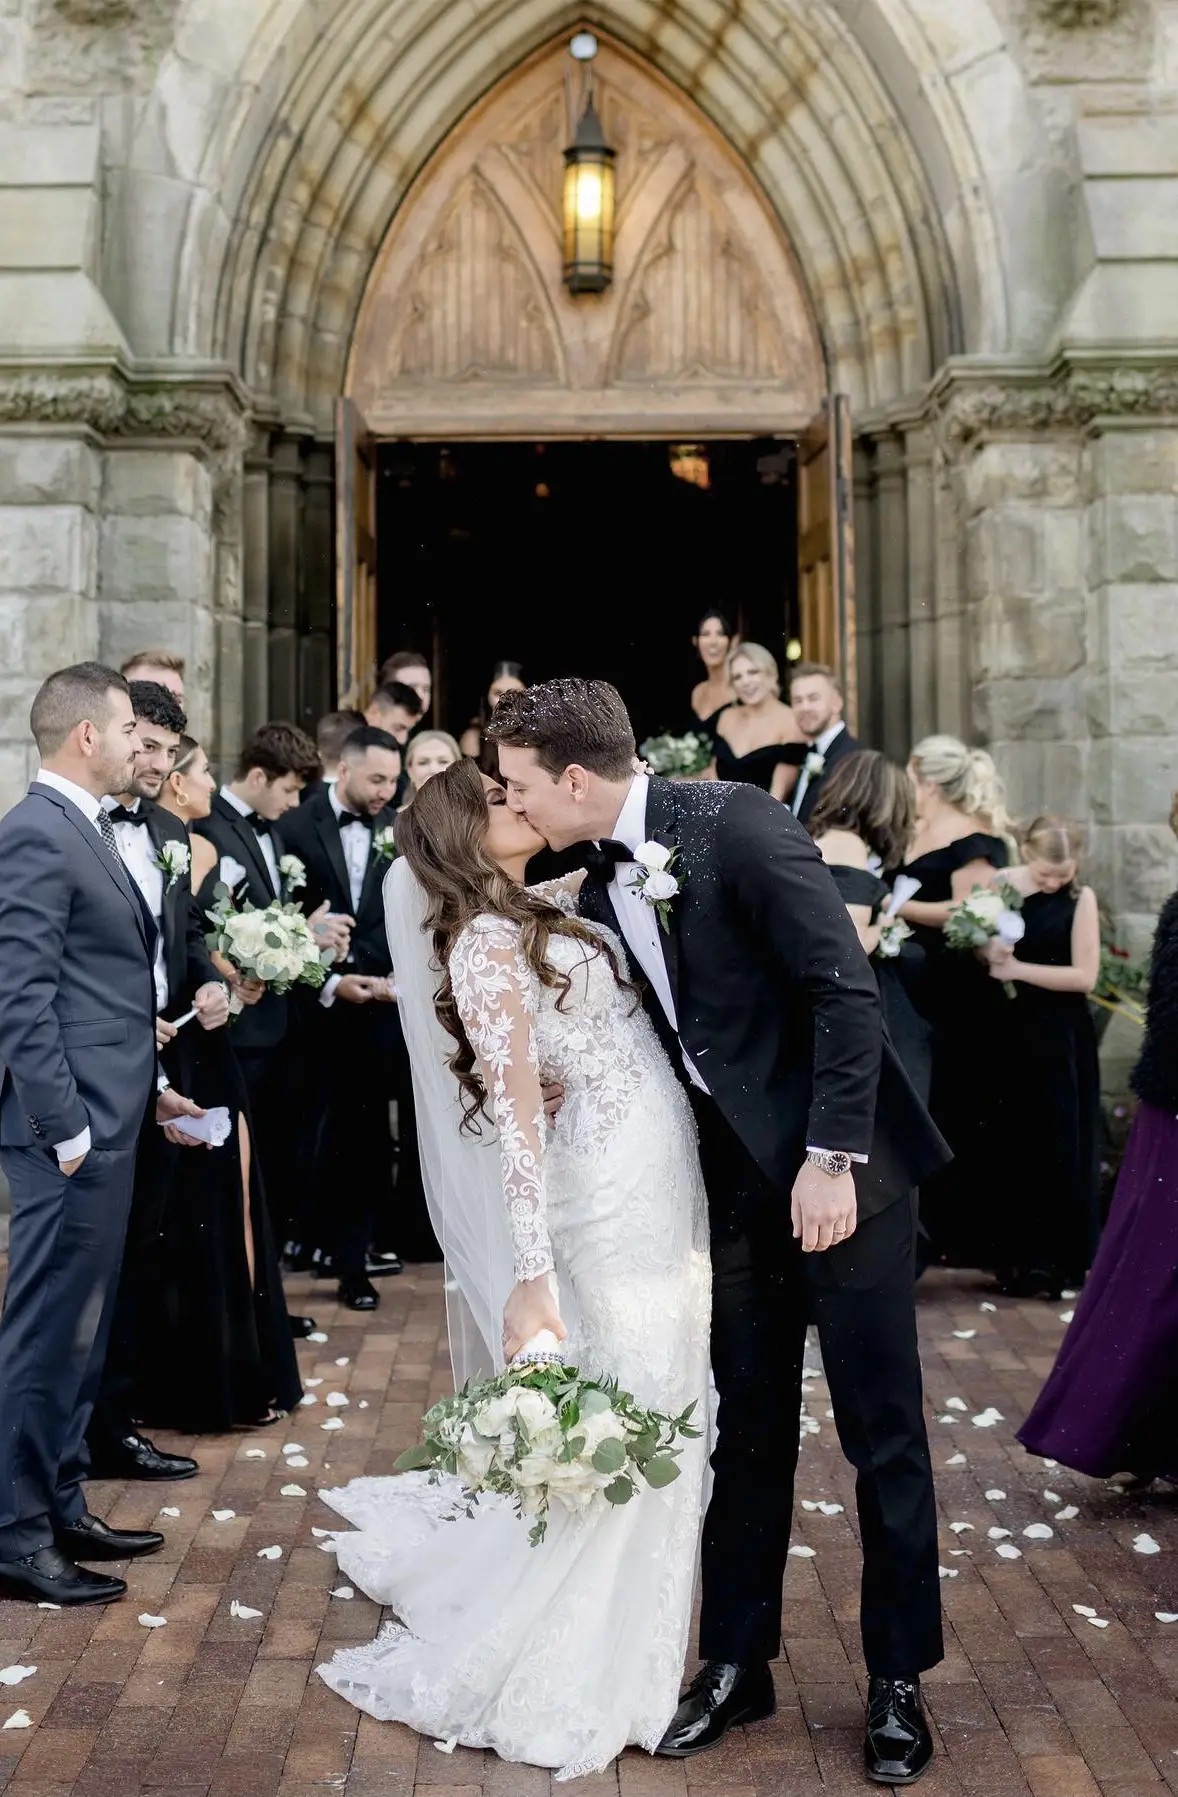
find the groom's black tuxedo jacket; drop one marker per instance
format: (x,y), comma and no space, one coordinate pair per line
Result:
(776,1002)
(313,834)
(183,926)
(265,1024)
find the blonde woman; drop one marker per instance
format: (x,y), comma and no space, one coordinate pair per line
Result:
(758,742)
(961,840)
(427,755)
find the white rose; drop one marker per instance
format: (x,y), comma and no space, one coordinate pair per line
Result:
(474,1457)
(605,1426)
(652,855)
(535,1411)
(576,1485)
(536,1469)
(815,764)
(496,1415)
(659,886)
(987,907)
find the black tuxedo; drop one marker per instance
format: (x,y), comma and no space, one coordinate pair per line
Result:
(779,1011)
(843,745)
(189,966)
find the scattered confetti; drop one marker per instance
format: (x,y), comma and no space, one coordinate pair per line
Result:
(1052,1497)
(292,1491)
(244,1611)
(447,1746)
(269,1553)
(956,1404)
(1038,1531)
(343,1591)
(297,1460)
(1008,1551)
(1145,1544)
(19,1719)
(312,1384)
(1065,1316)
(964,1335)
(1083,1609)
(961,1528)
(363,1404)
(955,1460)
(988,1417)
(45,1606)
(344,1360)
(15,1675)
(995,1494)
(997,1534)
(333,1422)
(316,1335)
(1068,1294)
(946,1418)
(224,1515)
(153,1622)
(987,1306)
(255,1453)
(293,1447)
(320,1533)
(948,1572)
(308,1397)
(1096,1622)
(169,1510)
(1166,1615)
(335,1399)
(803,1553)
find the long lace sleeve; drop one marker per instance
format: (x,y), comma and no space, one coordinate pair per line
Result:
(493,993)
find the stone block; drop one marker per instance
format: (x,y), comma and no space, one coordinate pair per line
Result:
(48,227)
(50,313)
(1129,143)
(1133,778)
(1020,636)
(1030,710)
(1147,867)
(1048,473)
(154,559)
(1064,550)
(1133,538)
(48,548)
(1133,219)
(1131,702)
(135,624)
(49,471)
(48,155)
(157,482)
(1043,776)
(40,632)
(18,760)
(1144,461)
(1135,624)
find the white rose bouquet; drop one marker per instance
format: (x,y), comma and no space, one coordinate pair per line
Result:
(274,945)
(683,757)
(988,912)
(544,1434)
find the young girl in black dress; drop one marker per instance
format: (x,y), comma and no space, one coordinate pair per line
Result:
(1051,1181)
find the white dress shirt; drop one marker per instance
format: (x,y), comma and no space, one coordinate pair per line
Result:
(818,747)
(89,806)
(356,843)
(139,853)
(265,840)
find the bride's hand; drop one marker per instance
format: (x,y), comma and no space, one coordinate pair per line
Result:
(530,1309)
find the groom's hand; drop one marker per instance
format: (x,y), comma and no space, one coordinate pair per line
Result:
(822,1208)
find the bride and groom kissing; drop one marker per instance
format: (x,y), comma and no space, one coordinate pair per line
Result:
(733,1158)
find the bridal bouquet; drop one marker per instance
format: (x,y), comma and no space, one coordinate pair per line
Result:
(683,756)
(544,1434)
(274,945)
(988,912)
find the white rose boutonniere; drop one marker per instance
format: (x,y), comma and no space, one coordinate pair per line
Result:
(384,846)
(815,764)
(654,880)
(173,861)
(294,874)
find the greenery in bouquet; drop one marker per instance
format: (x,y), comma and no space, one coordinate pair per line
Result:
(685,756)
(545,1433)
(1121,983)
(273,944)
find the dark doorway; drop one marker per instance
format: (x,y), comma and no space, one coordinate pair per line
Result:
(583,558)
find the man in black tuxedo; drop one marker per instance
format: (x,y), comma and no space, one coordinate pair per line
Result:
(154,846)
(78,1052)
(343,836)
(817,701)
(770,1012)
(244,826)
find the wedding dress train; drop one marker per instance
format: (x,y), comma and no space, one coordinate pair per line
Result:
(562,1654)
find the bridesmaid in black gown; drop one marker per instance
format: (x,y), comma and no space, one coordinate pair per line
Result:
(862,823)
(222,1355)
(961,841)
(757,739)
(1051,1185)
(712,696)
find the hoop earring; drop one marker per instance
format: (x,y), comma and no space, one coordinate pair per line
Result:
(182,800)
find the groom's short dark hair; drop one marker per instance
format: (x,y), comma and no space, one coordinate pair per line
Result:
(569,723)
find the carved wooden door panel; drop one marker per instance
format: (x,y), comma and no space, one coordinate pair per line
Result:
(826,547)
(355,557)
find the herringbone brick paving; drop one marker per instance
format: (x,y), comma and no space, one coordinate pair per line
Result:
(1032,1700)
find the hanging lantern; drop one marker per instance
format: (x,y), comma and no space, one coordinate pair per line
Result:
(588,207)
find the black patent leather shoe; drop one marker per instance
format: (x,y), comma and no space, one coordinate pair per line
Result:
(378,1266)
(718,1697)
(300,1327)
(48,1576)
(134,1457)
(357,1292)
(92,1539)
(898,1748)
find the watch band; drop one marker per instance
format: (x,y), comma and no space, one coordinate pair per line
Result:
(830,1161)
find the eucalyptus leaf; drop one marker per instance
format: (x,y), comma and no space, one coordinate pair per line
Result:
(414,1459)
(660,1471)
(593,1402)
(619,1491)
(609,1456)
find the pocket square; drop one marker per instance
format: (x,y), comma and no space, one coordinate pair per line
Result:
(231,873)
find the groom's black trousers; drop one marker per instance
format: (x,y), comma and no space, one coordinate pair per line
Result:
(860,1295)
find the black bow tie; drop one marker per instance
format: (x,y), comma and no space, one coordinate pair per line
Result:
(261,826)
(353,817)
(119,814)
(602,858)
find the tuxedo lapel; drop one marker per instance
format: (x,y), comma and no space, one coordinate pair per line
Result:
(334,849)
(662,826)
(377,865)
(111,864)
(247,837)
(174,937)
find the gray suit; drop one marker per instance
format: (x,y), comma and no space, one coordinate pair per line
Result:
(77,1049)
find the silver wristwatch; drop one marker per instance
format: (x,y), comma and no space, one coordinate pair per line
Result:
(830,1161)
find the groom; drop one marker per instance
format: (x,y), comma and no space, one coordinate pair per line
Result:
(761,994)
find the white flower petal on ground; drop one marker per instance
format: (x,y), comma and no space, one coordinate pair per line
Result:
(1007,1551)
(152,1622)
(961,1553)
(987,1418)
(1166,1615)
(956,1404)
(343,1591)
(1067,1514)
(995,1494)
(830,1509)
(946,1419)
(45,1606)
(316,1335)
(1145,1544)
(948,1572)
(447,1746)
(333,1422)
(807,1505)
(1083,1609)
(224,1515)
(960,1528)
(1065,1316)
(297,1460)
(344,1360)
(19,1719)
(244,1611)
(1096,1622)
(964,1335)
(293,1447)
(1052,1497)
(308,1398)
(312,1384)
(169,1510)
(803,1553)
(997,1534)
(335,1398)
(986,1305)
(1038,1531)
(320,1534)
(269,1553)
(956,1460)
(255,1453)
(363,1404)
(1066,1295)
(292,1491)
(15,1675)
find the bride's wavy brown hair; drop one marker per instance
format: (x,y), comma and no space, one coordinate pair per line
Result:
(441,835)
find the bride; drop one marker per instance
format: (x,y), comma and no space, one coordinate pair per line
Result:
(558,1655)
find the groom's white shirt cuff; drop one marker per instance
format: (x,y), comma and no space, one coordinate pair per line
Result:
(813,1148)
(69,1151)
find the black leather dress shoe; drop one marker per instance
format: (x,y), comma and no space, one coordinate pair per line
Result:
(357,1292)
(378,1265)
(898,1747)
(92,1539)
(300,1327)
(718,1697)
(49,1577)
(134,1457)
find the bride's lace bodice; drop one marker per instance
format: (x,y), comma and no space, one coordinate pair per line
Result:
(595,1040)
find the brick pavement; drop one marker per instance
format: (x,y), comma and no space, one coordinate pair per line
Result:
(1032,1700)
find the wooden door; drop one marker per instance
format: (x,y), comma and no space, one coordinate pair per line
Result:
(826,563)
(355,558)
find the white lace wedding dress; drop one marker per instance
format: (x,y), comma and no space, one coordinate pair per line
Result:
(562,1654)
